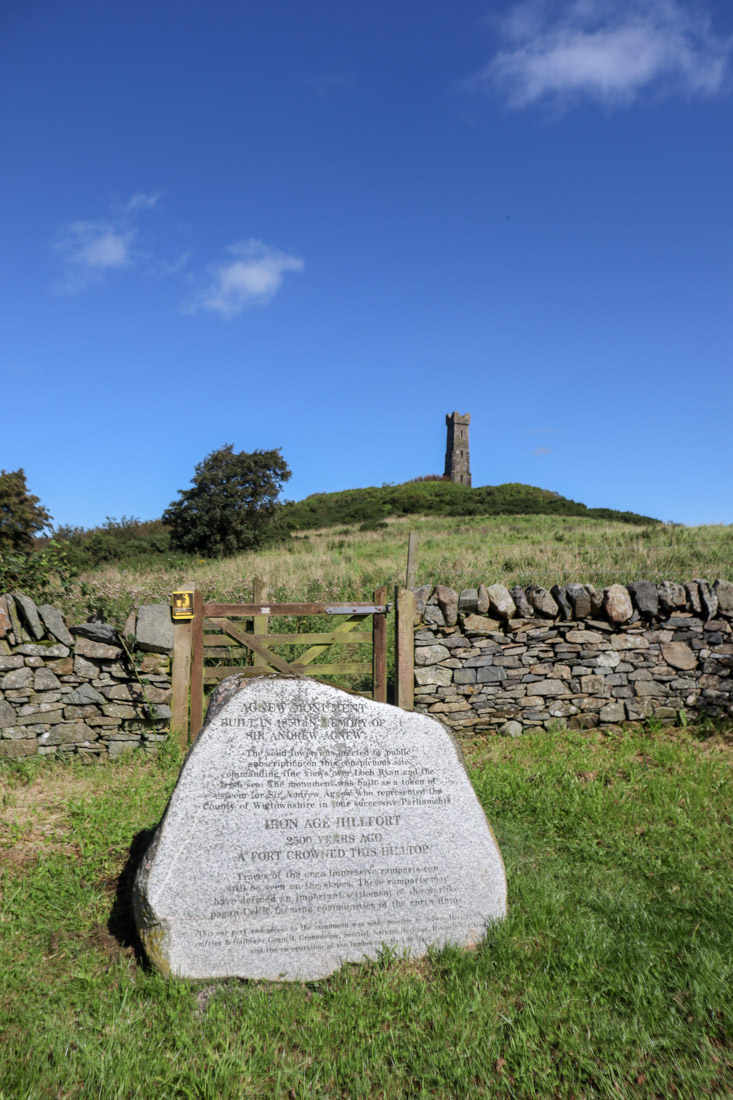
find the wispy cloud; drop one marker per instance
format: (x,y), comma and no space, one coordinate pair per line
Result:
(141,201)
(161,269)
(90,250)
(541,452)
(251,278)
(609,51)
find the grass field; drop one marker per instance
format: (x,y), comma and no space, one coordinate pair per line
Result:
(346,563)
(611,977)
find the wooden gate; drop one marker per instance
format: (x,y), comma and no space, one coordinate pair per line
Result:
(213,636)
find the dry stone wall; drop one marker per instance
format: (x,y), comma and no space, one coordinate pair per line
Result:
(490,659)
(79,689)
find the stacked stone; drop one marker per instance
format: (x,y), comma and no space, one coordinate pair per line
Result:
(491,659)
(75,690)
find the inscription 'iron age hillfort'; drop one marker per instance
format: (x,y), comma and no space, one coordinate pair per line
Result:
(309,827)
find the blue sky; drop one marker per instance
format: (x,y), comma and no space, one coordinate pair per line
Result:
(322,226)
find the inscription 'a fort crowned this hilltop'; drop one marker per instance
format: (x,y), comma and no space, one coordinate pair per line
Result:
(310,827)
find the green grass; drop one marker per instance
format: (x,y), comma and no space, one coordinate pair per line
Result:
(611,977)
(372,504)
(345,563)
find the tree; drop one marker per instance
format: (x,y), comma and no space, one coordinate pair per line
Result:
(21,514)
(231,503)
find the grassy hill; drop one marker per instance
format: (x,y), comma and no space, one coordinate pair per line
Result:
(436,498)
(349,563)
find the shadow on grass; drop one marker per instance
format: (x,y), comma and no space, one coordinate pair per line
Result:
(121,923)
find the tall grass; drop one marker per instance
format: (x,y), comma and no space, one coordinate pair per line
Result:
(347,563)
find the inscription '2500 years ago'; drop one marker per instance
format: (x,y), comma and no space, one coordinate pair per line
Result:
(309,827)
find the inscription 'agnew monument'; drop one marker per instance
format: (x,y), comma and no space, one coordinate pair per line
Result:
(310,827)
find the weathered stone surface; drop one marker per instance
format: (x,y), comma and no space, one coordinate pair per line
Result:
(35,716)
(559,595)
(7,714)
(617,603)
(81,712)
(44,680)
(53,620)
(646,598)
(5,624)
(542,601)
(13,660)
(62,667)
(151,693)
(612,712)
(628,641)
(128,630)
(693,597)
(579,599)
(98,651)
(431,654)
(433,614)
(85,668)
(14,750)
(671,596)
(583,637)
(95,632)
(119,692)
(596,601)
(158,711)
(447,601)
(479,624)
(679,655)
(468,602)
(422,595)
(724,591)
(29,615)
(433,674)
(522,604)
(84,695)
(482,603)
(648,687)
(326,827)
(154,630)
(708,599)
(550,687)
(67,733)
(48,652)
(19,631)
(118,710)
(17,678)
(512,728)
(500,602)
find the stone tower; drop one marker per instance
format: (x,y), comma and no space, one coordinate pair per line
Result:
(457,465)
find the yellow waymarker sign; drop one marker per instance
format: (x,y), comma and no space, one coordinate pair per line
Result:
(183,604)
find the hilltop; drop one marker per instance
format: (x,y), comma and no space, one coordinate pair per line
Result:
(148,541)
(436,498)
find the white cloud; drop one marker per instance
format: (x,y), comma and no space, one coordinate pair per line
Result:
(541,452)
(141,201)
(609,51)
(91,250)
(251,278)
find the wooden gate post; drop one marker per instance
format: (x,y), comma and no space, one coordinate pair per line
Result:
(411,575)
(197,666)
(181,677)
(405,648)
(259,622)
(379,649)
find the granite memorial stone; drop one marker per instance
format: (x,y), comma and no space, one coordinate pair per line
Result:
(310,827)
